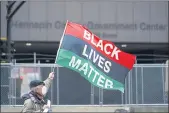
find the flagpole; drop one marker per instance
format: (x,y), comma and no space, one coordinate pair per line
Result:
(60,45)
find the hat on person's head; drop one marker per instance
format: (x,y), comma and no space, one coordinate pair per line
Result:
(35,83)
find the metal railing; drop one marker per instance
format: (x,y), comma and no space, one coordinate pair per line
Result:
(145,84)
(36,57)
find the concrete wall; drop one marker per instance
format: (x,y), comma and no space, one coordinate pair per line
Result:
(3,18)
(116,21)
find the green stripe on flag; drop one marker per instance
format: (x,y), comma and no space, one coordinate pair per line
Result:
(87,70)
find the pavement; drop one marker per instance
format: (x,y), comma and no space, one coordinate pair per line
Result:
(95,108)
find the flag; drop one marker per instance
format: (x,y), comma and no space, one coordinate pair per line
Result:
(99,61)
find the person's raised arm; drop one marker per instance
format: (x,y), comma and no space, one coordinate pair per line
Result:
(49,80)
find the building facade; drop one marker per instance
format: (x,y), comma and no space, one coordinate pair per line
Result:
(136,27)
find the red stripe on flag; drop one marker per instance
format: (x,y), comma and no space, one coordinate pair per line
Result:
(123,58)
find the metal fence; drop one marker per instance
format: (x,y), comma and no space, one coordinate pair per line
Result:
(145,84)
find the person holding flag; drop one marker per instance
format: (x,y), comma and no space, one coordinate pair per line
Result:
(34,100)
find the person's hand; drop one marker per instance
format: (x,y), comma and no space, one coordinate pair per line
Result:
(46,107)
(51,75)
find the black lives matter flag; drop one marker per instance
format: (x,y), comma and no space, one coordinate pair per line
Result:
(98,61)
